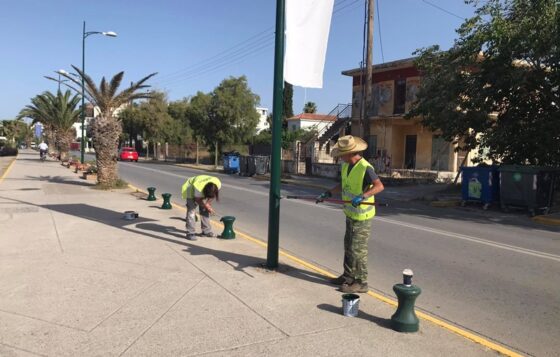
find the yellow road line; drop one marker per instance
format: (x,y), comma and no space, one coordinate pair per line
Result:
(8,169)
(459,331)
(553,221)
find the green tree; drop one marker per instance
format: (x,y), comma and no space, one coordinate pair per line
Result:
(132,123)
(155,118)
(225,116)
(16,132)
(178,110)
(106,128)
(198,114)
(310,107)
(288,103)
(497,87)
(58,113)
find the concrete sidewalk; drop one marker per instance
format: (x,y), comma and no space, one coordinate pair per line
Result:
(78,280)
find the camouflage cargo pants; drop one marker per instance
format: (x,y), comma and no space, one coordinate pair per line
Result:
(356,249)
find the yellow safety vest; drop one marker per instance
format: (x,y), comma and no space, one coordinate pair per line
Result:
(197,183)
(352,186)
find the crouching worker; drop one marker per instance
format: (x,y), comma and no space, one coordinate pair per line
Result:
(200,191)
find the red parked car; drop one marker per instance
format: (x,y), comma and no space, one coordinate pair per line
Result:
(128,154)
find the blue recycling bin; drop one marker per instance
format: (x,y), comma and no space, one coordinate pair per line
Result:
(231,163)
(480,184)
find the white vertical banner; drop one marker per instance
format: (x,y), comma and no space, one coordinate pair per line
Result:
(307,34)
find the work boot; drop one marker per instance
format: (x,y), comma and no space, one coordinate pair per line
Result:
(209,235)
(191,236)
(343,279)
(356,287)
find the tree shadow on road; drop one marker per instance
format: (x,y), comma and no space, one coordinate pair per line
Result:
(470,214)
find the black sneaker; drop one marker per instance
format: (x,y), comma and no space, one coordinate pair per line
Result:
(209,235)
(355,287)
(343,279)
(191,237)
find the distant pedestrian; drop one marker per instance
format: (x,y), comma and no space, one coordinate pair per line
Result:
(200,191)
(359,185)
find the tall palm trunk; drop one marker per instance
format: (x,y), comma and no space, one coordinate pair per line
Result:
(51,138)
(106,131)
(63,140)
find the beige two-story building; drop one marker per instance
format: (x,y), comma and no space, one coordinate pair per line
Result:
(395,142)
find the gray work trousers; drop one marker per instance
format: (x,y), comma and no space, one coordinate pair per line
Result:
(191,218)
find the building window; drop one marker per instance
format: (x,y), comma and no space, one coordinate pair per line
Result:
(440,154)
(400,96)
(294,127)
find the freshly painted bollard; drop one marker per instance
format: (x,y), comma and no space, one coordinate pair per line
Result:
(405,319)
(166,201)
(228,232)
(151,194)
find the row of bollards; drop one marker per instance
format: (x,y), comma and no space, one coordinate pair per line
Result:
(404,319)
(228,232)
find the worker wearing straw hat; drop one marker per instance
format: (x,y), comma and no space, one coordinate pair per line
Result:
(359,185)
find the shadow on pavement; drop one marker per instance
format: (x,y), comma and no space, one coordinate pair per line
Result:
(380,321)
(239,262)
(144,226)
(59,179)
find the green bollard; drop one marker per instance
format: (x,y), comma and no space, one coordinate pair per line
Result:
(228,232)
(151,194)
(166,201)
(405,319)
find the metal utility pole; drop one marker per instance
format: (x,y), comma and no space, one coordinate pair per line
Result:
(274,196)
(369,71)
(216,156)
(83,114)
(131,124)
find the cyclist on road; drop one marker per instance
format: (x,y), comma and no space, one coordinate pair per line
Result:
(43,148)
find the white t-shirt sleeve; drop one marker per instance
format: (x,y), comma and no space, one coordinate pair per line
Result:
(198,194)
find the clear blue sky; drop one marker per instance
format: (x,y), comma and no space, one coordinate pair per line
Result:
(38,37)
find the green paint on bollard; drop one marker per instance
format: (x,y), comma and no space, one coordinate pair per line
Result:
(151,194)
(228,232)
(405,319)
(166,201)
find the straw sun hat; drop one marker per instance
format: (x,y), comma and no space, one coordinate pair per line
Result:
(348,145)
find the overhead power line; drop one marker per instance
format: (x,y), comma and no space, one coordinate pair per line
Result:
(379,29)
(442,9)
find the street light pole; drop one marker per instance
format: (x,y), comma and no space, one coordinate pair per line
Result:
(82,154)
(274,196)
(84,36)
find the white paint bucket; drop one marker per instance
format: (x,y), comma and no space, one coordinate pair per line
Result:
(130,215)
(350,305)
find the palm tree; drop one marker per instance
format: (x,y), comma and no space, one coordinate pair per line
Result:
(310,107)
(106,127)
(58,114)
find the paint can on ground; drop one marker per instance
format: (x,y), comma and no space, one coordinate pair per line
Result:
(130,215)
(350,305)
